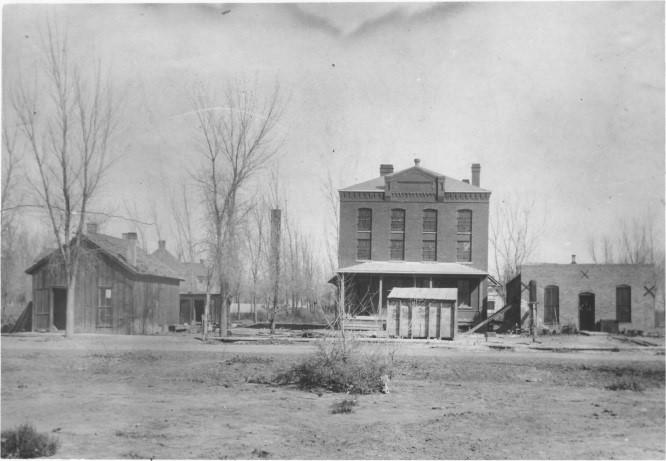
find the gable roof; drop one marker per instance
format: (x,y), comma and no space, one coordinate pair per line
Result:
(378,184)
(116,249)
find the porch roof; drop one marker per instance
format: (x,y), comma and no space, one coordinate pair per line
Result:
(423,293)
(411,268)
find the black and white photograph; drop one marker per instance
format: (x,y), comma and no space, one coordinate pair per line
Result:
(386,230)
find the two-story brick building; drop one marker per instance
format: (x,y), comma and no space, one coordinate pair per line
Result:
(413,228)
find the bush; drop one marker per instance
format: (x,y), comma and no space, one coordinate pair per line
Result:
(345,406)
(341,367)
(626,385)
(26,442)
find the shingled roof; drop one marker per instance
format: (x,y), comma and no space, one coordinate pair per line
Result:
(116,249)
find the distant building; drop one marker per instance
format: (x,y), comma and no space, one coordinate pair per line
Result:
(586,296)
(119,289)
(192,287)
(414,228)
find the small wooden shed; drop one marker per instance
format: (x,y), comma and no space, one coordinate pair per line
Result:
(422,313)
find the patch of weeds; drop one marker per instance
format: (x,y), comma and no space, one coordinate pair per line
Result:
(341,366)
(247,359)
(26,442)
(626,385)
(344,406)
(260,454)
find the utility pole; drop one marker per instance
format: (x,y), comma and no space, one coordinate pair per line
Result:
(276,216)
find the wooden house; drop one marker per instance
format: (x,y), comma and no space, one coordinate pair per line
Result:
(120,289)
(193,287)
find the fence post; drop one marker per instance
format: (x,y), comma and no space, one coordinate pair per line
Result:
(533,307)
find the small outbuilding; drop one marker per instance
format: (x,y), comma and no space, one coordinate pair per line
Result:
(422,313)
(120,289)
(609,297)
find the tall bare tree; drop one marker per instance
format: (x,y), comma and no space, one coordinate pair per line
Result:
(68,124)
(236,138)
(514,236)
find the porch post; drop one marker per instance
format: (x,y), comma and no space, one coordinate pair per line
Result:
(342,294)
(430,282)
(381,293)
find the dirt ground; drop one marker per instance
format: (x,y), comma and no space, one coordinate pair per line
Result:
(175,397)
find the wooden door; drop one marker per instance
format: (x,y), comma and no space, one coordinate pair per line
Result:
(586,311)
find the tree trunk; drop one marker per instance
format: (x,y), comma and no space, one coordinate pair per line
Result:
(71,302)
(204,320)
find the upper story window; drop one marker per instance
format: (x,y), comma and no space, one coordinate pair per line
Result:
(364,221)
(551,305)
(397,244)
(364,234)
(397,220)
(623,303)
(429,237)
(464,235)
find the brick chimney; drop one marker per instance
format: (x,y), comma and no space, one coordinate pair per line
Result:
(573,259)
(161,244)
(466,181)
(476,174)
(417,161)
(91,228)
(385,168)
(131,247)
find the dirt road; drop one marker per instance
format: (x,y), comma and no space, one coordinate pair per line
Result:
(174,397)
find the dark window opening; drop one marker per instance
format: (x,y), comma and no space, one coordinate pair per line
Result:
(464,294)
(429,250)
(623,303)
(397,220)
(551,305)
(364,222)
(464,236)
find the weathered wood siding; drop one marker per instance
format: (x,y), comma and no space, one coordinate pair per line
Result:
(137,306)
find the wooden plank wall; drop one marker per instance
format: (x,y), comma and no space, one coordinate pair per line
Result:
(139,307)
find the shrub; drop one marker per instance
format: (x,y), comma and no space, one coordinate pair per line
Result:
(341,366)
(26,442)
(626,385)
(345,406)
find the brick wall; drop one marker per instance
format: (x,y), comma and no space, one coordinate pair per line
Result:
(601,280)
(446,230)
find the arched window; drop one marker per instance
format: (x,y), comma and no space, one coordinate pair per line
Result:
(397,247)
(364,234)
(623,303)
(429,235)
(551,305)
(464,235)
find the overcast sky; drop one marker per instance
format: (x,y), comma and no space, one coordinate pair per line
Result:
(561,103)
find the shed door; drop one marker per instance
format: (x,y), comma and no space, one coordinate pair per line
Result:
(42,310)
(586,311)
(60,308)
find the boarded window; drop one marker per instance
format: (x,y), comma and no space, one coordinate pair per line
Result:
(491,305)
(623,303)
(465,221)
(398,249)
(104,308)
(429,220)
(364,234)
(464,236)
(464,250)
(397,220)
(551,305)
(429,250)
(364,222)
(363,249)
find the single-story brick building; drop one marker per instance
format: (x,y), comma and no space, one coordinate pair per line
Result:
(585,296)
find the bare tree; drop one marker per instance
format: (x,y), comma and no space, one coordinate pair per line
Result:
(514,234)
(237,138)
(256,250)
(68,126)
